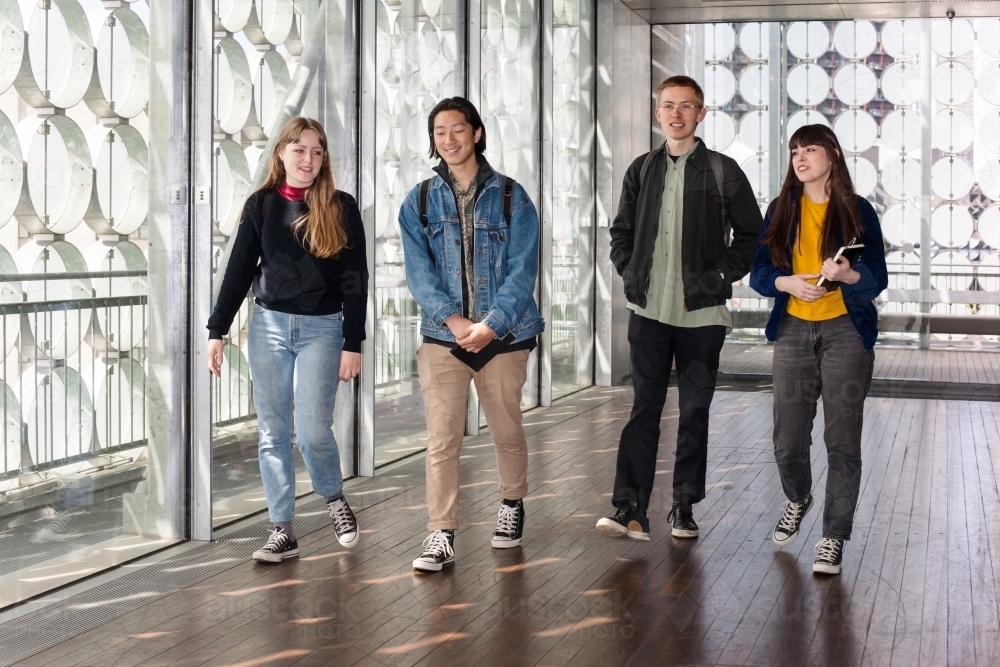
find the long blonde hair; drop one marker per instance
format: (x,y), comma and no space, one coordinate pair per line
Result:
(320,230)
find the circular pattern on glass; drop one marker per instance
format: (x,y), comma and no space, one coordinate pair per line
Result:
(951,178)
(901,39)
(11,168)
(10,459)
(122,181)
(11,43)
(988,177)
(989,131)
(757,170)
(232,184)
(901,131)
(123,65)
(233,89)
(122,327)
(271,83)
(718,130)
(863,175)
(901,224)
(855,40)
(273,22)
(952,131)
(720,40)
(952,38)
(60,34)
(951,226)
(804,117)
(988,226)
(10,292)
(755,131)
(988,35)
(233,14)
(755,40)
(855,84)
(901,178)
(807,40)
(952,83)
(989,82)
(754,85)
(57,397)
(901,83)
(856,130)
(60,177)
(808,84)
(719,85)
(120,410)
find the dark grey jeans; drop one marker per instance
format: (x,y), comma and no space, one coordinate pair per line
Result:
(828,359)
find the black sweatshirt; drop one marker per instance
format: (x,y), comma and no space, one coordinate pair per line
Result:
(286,278)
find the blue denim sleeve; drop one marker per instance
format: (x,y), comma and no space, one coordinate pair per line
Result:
(518,290)
(422,276)
(871,266)
(763,272)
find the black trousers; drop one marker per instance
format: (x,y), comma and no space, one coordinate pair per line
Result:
(653,348)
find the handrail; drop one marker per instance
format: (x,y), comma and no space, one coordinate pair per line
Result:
(69,275)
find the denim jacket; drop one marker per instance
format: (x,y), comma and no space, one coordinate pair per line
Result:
(858,297)
(505,283)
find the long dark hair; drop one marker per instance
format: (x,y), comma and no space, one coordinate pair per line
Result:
(842,219)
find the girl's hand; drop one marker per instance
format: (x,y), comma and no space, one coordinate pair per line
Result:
(799,287)
(214,357)
(840,271)
(350,365)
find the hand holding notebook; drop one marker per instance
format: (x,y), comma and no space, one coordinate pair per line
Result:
(850,253)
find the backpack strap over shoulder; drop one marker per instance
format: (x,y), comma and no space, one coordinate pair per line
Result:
(645,167)
(425,187)
(508,197)
(716,161)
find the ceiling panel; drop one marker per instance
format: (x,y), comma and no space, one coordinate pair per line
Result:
(703,11)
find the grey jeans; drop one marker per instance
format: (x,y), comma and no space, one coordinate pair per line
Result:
(828,359)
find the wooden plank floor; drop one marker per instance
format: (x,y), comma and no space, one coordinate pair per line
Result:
(920,585)
(898,363)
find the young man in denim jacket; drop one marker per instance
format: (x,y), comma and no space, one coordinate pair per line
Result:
(471,264)
(670,242)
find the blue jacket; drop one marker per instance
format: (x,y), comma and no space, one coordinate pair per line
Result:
(505,283)
(857,297)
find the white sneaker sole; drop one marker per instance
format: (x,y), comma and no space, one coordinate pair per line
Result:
(350,540)
(270,557)
(504,543)
(614,529)
(788,540)
(425,566)
(823,568)
(677,532)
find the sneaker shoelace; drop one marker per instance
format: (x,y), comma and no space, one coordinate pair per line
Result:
(681,513)
(827,549)
(343,520)
(507,519)
(790,515)
(437,544)
(276,541)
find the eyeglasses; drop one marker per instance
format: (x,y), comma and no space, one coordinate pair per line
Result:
(686,109)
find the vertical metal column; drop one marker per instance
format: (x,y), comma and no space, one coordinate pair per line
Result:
(604,272)
(545,204)
(474,93)
(925,175)
(777,57)
(366,201)
(203,44)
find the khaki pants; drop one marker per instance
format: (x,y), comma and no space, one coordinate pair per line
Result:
(445,384)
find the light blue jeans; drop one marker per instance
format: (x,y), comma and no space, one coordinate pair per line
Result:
(294,362)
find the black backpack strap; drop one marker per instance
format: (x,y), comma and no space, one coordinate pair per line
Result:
(716,161)
(425,188)
(508,198)
(645,167)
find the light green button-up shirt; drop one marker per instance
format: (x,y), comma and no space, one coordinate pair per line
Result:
(665,299)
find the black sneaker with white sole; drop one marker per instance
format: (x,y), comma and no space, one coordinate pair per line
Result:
(278,547)
(791,520)
(629,522)
(510,525)
(682,522)
(344,523)
(439,550)
(829,554)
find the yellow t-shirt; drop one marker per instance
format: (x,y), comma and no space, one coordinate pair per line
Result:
(806,259)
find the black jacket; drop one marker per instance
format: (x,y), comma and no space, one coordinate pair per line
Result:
(706,252)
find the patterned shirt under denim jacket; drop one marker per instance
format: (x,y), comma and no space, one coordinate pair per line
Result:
(504,285)
(859,297)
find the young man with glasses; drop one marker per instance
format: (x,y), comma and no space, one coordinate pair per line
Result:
(670,242)
(470,248)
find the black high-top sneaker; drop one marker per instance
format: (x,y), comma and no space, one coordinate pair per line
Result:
(829,554)
(344,523)
(791,519)
(630,522)
(682,520)
(439,550)
(278,547)
(510,525)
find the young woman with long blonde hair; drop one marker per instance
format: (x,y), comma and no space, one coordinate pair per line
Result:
(301,247)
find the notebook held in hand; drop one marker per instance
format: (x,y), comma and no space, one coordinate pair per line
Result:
(476,360)
(851,252)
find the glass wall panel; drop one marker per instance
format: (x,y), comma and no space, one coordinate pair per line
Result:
(419,61)
(81,479)
(934,184)
(573,196)
(272,61)
(510,58)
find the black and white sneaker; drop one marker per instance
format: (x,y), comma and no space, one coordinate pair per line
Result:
(630,522)
(829,554)
(278,547)
(344,523)
(439,550)
(510,525)
(791,519)
(682,521)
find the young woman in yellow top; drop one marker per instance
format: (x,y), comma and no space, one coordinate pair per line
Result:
(824,339)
